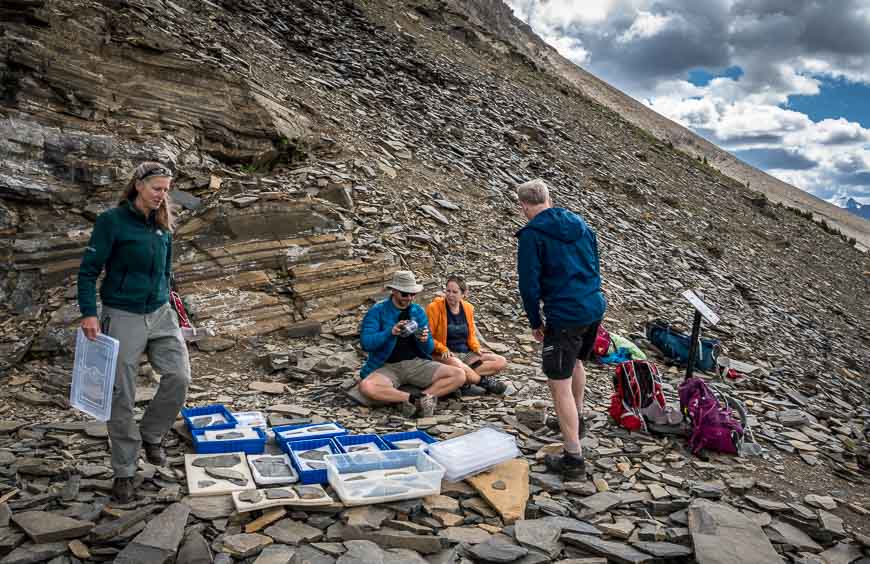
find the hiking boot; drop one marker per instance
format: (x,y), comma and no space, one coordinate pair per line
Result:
(553,425)
(154,453)
(471,390)
(426,406)
(408,409)
(568,465)
(122,490)
(493,386)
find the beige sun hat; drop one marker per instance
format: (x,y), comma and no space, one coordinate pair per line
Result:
(404,281)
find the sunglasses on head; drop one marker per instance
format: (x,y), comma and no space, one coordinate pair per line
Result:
(157,171)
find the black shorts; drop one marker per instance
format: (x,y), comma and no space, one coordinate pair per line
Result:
(564,346)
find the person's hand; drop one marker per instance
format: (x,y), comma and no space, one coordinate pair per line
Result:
(91,327)
(397,328)
(538,334)
(424,335)
(446,355)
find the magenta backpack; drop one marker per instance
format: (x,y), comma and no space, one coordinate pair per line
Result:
(712,425)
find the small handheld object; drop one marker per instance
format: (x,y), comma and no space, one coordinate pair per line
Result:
(409,328)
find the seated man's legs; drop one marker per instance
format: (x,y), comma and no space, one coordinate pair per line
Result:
(445,380)
(380,386)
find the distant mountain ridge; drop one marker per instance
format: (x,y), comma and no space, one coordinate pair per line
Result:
(861,210)
(496,17)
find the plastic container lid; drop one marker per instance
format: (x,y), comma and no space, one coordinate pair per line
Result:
(93,378)
(473,453)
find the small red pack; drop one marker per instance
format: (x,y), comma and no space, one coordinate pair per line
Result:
(602,342)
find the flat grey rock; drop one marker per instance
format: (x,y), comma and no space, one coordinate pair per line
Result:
(288,531)
(33,553)
(46,527)
(305,554)
(497,552)
(278,493)
(613,551)
(276,554)
(541,534)
(245,545)
(361,552)
(723,535)
(232,476)
(194,550)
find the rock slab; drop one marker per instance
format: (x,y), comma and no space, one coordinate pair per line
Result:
(723,535)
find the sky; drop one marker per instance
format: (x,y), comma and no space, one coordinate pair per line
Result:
(784,85)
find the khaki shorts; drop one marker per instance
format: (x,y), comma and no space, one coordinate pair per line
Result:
(468,357)
(417,372)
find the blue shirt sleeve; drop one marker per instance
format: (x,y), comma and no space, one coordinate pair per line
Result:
(371,335)
(529,270)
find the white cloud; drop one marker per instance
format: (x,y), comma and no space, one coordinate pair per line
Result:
(783,48)
(647,25)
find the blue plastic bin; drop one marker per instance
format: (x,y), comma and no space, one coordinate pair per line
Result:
(309,476)
(248,446)
(193,412)
(344,441)
(326,435)
(408,435)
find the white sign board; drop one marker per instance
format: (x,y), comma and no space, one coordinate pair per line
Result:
(702,308)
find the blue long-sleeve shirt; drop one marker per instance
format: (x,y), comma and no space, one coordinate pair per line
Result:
(376,334)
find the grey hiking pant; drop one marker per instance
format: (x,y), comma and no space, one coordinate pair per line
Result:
(159,335)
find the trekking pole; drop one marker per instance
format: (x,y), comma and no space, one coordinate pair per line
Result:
(693,345)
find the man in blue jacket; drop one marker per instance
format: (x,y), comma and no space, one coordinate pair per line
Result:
(558,265)
(395,333)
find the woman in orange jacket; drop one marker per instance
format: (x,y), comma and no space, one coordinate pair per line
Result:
(451,323)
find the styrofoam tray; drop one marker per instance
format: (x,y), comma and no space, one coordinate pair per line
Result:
(470,454)
(266,480)
(378,477)
(197,476)
(295,498)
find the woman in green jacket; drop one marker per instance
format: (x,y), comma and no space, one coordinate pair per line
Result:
(132,244)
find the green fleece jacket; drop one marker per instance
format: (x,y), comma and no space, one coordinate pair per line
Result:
(136,254)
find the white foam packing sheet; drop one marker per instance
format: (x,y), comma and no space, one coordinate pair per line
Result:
(250,419)
(269,480)
(470,454)
(207,420)
(305,462)
(197,475)
(216,436)
(295,500)
(311,432)
(93,377)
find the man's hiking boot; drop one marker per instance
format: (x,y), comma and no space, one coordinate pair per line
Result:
(426,406)
(568,465)
(154,453)
(408,409)
(122,490)
(491,385)
(471,390)
(553,425)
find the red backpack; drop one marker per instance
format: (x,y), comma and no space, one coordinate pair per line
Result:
(637,387)
(602,342)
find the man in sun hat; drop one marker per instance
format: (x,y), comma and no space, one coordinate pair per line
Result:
(395,334)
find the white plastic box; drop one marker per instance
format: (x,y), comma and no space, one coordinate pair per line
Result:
(93,377)
(378,477)
(473,453)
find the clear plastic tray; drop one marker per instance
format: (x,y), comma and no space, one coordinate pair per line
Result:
(377,477)
(290,478)
(93,377)
(473,453)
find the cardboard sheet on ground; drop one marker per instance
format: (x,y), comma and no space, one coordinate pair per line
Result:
(506,488)
(230,476)
(312,495)
(93,378)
